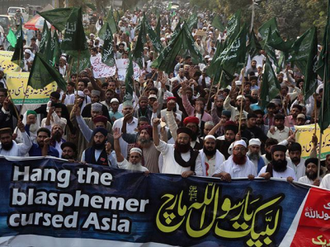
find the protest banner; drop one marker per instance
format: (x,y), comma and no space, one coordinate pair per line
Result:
(76,203)
(122,65)
(17,82)
(5,62)
(101,70)
(304,136)
(314,224)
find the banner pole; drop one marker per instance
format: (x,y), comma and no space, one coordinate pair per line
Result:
(322,109)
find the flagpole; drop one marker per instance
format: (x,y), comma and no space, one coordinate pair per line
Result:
(218,87)
(322,111)
(315,114)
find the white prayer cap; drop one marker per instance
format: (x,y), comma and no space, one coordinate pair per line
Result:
(240,142)
(152,96)
(64,58)
(135,150)
(91,34)
(259,66)
(96,93)
(209,137)
(319,88)
(97,107)
(81,94)
(206,57)
(114,100)
(238,83)
(240,97)
(28,51)
(162,39)
(254,141)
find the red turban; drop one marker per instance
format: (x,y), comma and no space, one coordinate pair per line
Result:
(171,98)
(100,118)
(194,120)
(148,128)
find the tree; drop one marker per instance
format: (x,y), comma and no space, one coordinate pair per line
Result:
(288,13)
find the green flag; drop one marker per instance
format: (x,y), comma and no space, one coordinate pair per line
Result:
(44,37)
(253,46)
(84,60)
(192,21)
(155,39)
(169,6)
(269,49)
(18,52)
(304,55)
(112,23)
(233,57)
(233,27)
(129,77)
(323,71)
(141,40)
(216,61)
(181,44)
(270,86)
(57,17)
(48,54)
(42,74)
(57,49)
(269,31)
(157,29)
(108,53)
(74,36)
(217,23)
(11,37)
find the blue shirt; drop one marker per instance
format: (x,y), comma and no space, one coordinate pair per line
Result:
(36,151)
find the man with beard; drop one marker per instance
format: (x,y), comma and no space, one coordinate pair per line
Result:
(295,161)
(150,153)
(69,151)
(235,110)
(311,173)
(219,128)
(178,158)
(95,100)
(56,139)
(42,147)
(10,148)
(278,168)
(100,152)
(129,121)
(193,124)
(254,154)
(144,109)
(211,158)
(237,165)
(134,162)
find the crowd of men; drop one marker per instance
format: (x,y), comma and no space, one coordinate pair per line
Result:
(177,123)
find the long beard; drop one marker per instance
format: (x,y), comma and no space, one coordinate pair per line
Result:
(209,152)
(99,146)
(311,175)
(57,136)
(8,146)
(279,165)
(182,148)
(239,160)
(134,167)
(194,137)
(144,141)
(254,156)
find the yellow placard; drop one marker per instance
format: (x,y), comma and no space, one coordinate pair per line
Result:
(5,62)
(17,82)
(304,136)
